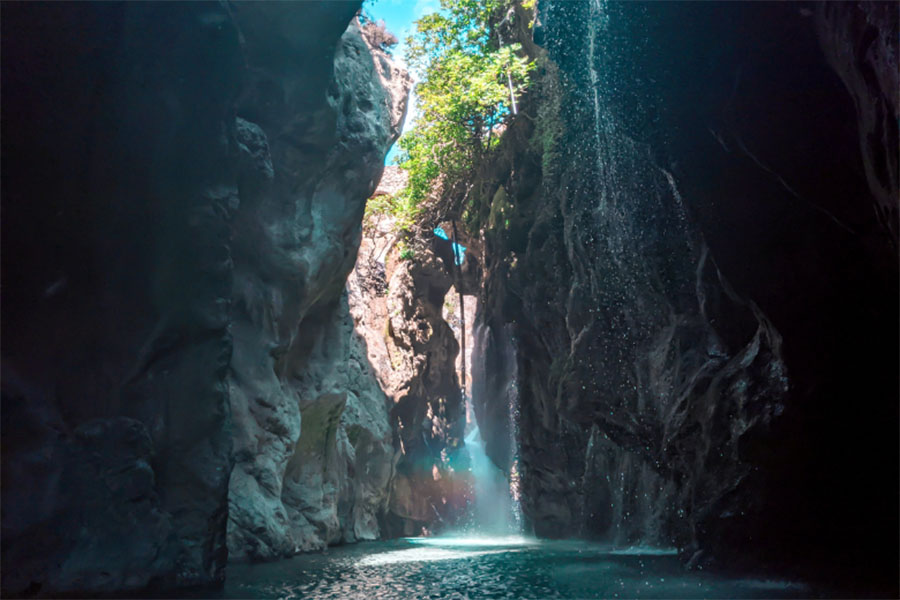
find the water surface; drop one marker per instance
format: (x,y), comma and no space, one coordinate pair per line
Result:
(490,567)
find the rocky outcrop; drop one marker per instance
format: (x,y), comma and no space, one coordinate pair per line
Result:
(428,411)
(686,266)
(312,439)
(632,349)
(98,475)
(397,304)
(336,482)
(859,41)
(182,193)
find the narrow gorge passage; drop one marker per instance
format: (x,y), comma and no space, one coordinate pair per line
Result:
(450,299)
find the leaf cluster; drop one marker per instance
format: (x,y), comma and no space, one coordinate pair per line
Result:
(469,81)
(399,207)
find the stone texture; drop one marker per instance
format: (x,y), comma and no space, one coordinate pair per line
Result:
(98,475)
(312,443)
(397,305)
(182,188)
(428,412)
(336,484)
(860,42)
(693,282)
(392,181)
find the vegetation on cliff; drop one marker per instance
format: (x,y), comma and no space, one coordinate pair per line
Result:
(471,78)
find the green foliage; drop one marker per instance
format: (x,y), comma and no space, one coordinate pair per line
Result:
(549,131)
(500,210)
(465,96)
(406,252)
(405,212)
(399,207)
(376,206)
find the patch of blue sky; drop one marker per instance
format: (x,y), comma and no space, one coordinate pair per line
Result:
(459,251)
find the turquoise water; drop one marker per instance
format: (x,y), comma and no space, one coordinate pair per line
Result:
(495,567)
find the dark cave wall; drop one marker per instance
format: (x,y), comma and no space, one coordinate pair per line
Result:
(770,165)
(139,193)
(700,274)
(118,192)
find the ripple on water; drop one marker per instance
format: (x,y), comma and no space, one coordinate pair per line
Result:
(474,541)
(420,555)
(483,567)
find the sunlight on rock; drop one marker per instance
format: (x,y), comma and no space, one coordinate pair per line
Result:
(618,321)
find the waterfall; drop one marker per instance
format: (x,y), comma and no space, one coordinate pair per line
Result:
(597,17)
(495,508)
(633,263)
(493,511)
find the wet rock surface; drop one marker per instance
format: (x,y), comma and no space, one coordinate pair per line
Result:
(413,351)
(95,492)
(688,271)
(429,410)
(683,246)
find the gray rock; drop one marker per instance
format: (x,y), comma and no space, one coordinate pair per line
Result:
(397,305)
(312,443)
(96,521)
(183,196)
(698,269)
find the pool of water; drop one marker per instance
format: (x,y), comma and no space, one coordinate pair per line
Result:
(494,567)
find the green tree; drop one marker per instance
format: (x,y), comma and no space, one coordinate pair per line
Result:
(470,80)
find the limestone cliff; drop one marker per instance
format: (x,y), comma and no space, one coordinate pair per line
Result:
(118,195)
(397,300)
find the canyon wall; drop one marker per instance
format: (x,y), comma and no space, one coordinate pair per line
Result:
(691,255)
(313,445)
(118,198)
(182,191)
(397,296)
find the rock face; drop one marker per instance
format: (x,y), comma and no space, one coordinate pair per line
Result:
(118,197)
(182,192)
(859,41)
(428,411)
(689,281)
(98,475)
(313,453)
(397,306)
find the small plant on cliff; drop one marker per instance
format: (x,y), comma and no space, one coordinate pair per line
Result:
(404,250)
(376,32)
(377,206)
(470,79)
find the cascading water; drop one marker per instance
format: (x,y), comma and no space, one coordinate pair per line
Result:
(622,499)
(493,508)
(631,300)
